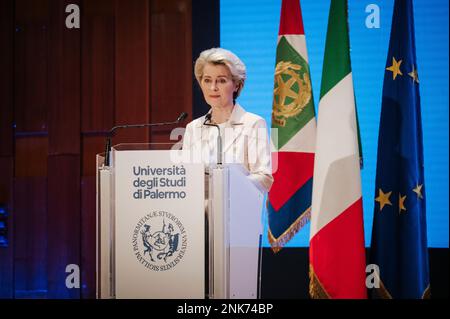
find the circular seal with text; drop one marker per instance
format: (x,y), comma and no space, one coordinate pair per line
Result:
(159,241)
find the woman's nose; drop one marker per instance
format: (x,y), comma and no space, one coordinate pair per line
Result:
(213,85)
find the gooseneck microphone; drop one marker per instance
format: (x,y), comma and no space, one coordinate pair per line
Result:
(219,138)
(111,132)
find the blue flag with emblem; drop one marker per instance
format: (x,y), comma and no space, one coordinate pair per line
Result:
(399,235)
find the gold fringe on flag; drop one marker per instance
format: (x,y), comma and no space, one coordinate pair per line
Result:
(278,243)
(316,290)
(427,293)
(383,293)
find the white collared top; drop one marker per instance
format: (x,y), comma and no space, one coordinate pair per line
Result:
(244,140)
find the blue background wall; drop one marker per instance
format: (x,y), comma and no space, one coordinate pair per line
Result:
(250,29)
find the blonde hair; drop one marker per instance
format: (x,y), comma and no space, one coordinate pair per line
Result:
(224,57)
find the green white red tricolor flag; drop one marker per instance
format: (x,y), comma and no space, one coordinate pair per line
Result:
(337,253)
(293,131)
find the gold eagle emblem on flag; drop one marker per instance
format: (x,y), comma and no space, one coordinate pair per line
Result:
(292,92)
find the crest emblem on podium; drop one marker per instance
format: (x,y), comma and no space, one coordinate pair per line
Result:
(159,241)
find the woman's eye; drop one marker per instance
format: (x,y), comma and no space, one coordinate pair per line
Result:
(223,81)
(207,80)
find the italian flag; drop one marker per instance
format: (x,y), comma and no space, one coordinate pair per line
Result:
(337,253)
(293,131)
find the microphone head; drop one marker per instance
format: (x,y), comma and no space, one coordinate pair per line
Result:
(182,117)
(208,116)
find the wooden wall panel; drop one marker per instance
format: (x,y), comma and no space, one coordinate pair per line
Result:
(6,143)
(64,192)
(97,66)
(64,106)
(63,89)
(205,35)
(30,237)
(132,69)
(63,223)
(92,145)
(31,156)
(98,98)
(30,215)
(6,77)
(31,11)
(88,236)
(7,253)
(30,68)
(171,63)
(30,65)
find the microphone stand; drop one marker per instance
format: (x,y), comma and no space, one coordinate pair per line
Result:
(219,138)
(111,132)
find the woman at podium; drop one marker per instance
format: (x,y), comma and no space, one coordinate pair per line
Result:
(227,133)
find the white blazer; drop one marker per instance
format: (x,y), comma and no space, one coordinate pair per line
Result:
(244,140)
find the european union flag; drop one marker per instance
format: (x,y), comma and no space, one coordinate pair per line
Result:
(399,235)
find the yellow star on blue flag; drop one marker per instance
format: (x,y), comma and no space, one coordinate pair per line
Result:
(399,234)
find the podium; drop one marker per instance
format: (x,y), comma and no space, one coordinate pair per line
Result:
(151,219)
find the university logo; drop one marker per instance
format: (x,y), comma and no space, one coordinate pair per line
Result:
(159,241)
